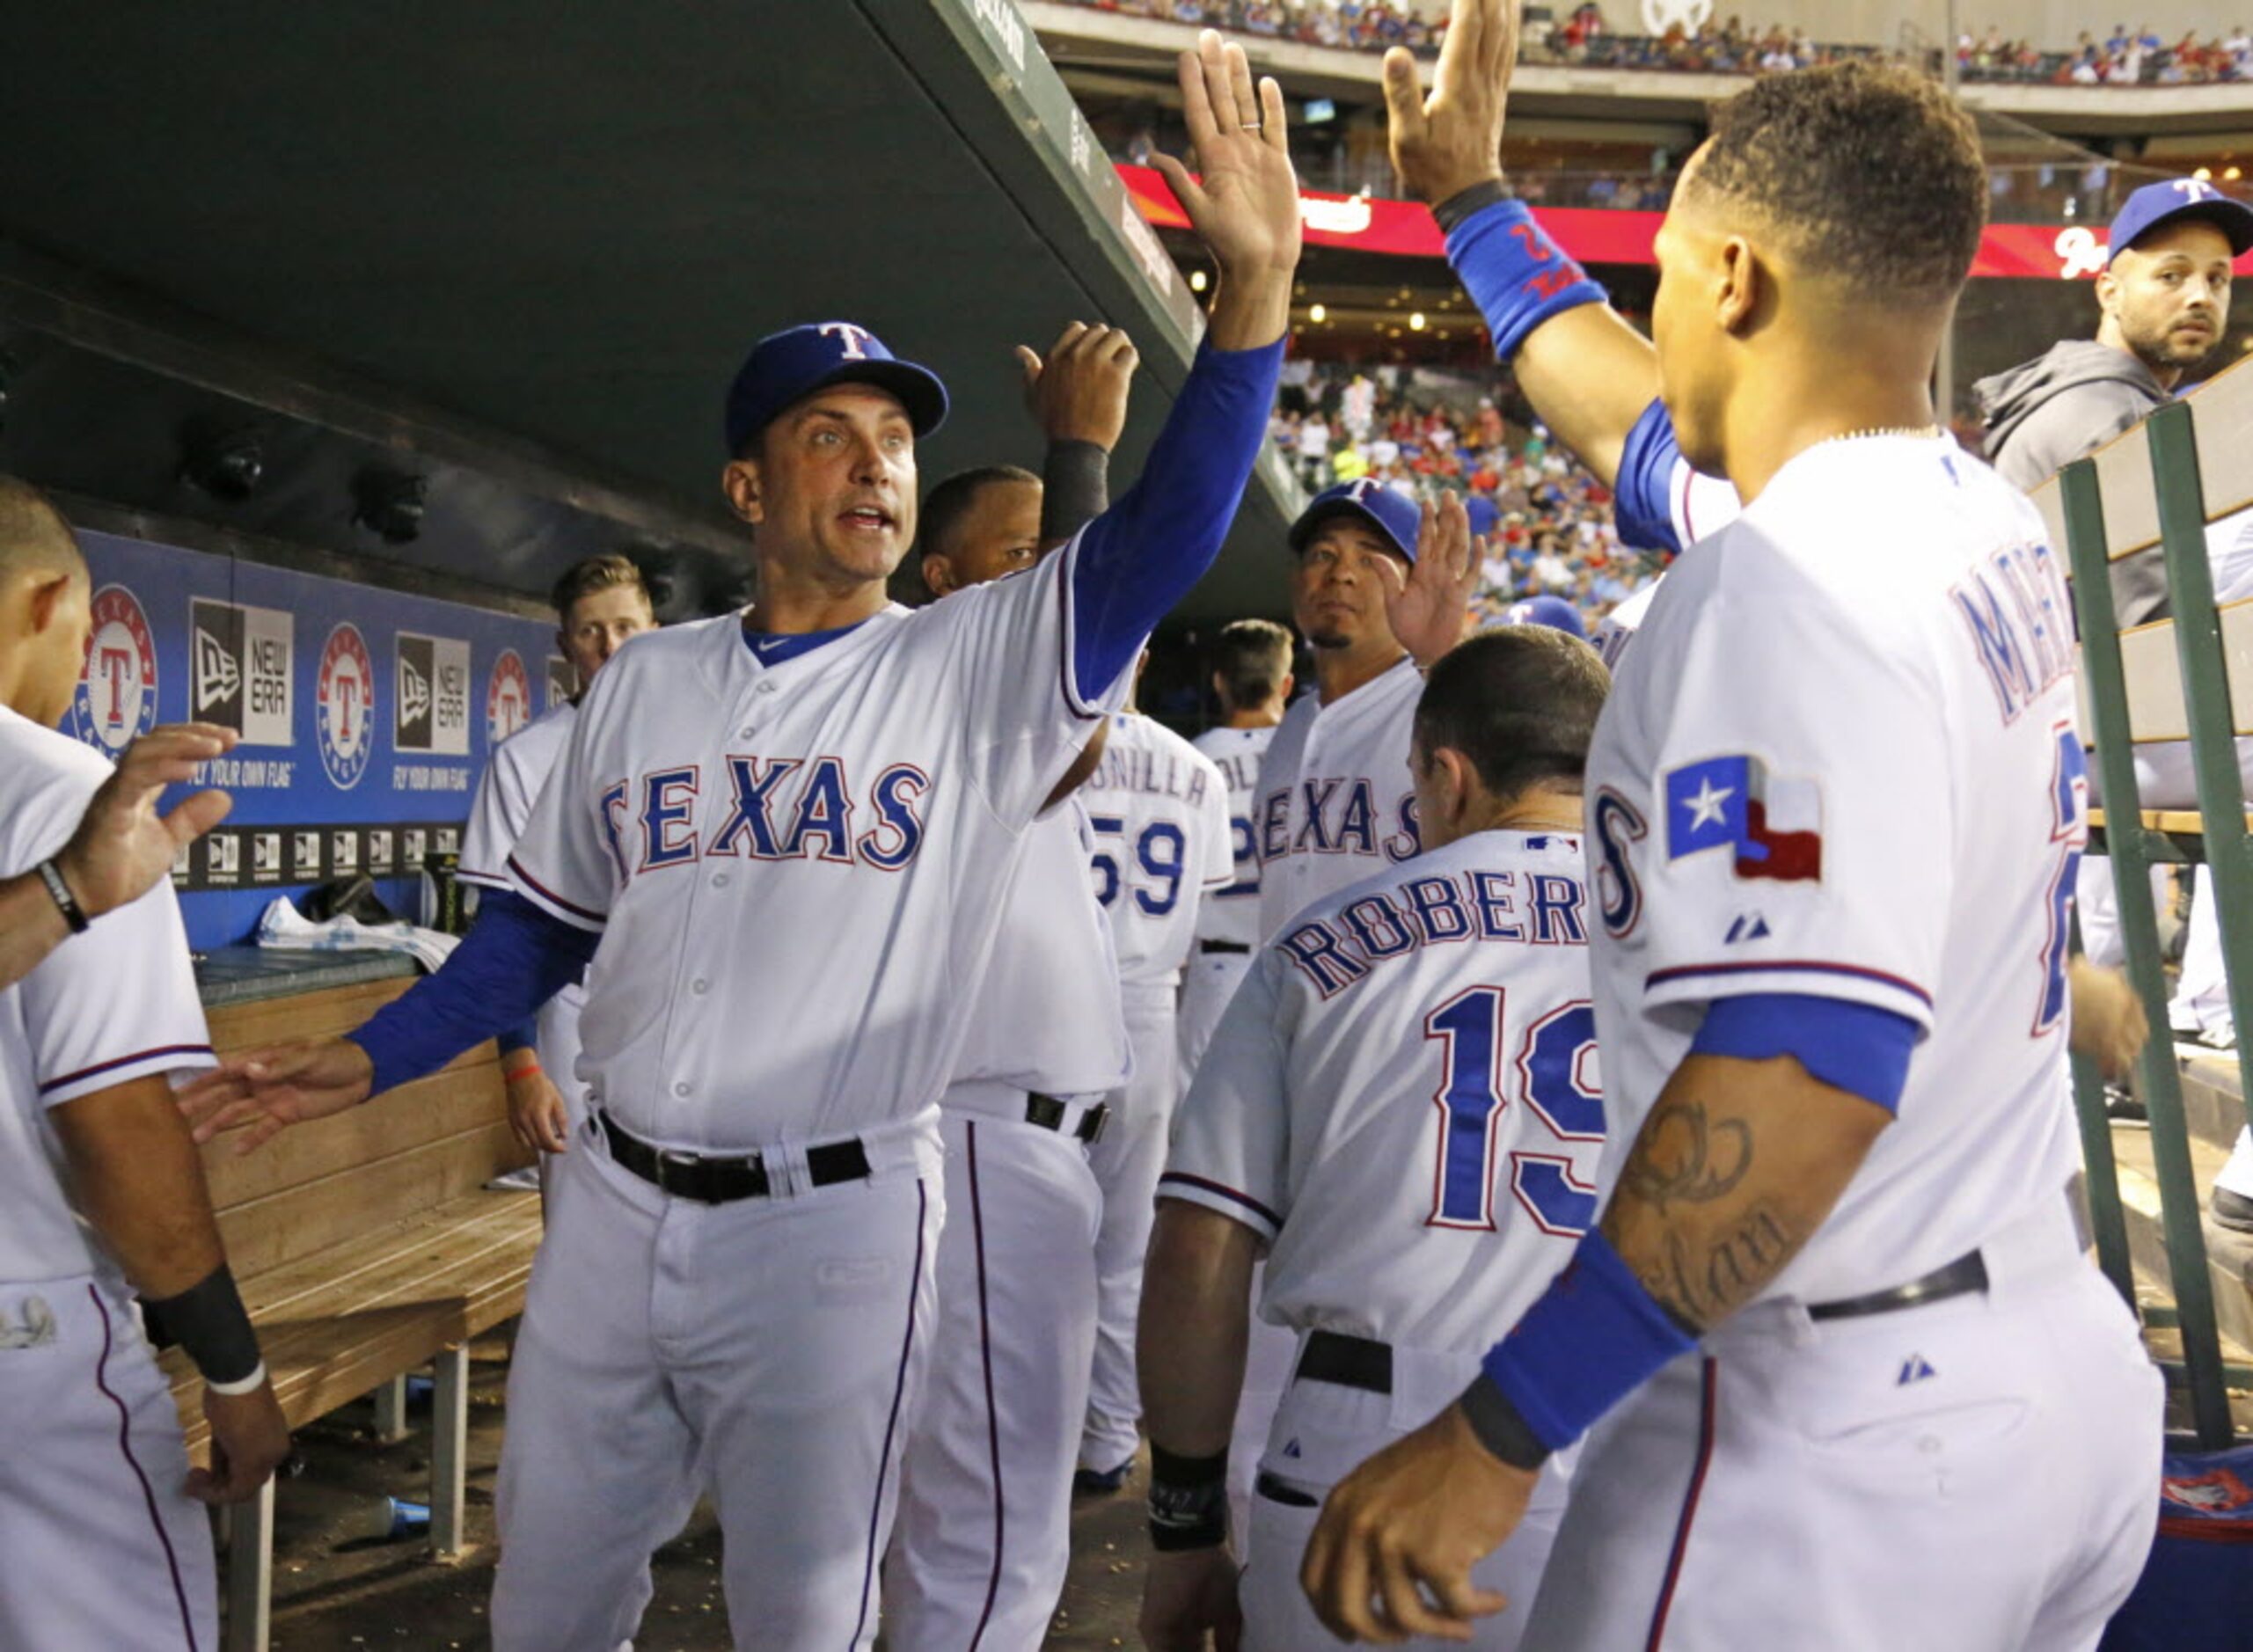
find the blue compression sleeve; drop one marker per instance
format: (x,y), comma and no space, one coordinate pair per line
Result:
(1640,503)
(1853,1046)
(1516,276)
(1140,557)
(514,960)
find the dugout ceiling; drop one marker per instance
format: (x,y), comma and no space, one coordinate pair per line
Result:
(521,247)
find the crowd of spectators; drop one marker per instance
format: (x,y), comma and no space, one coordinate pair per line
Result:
(1583,37)
(1546,521)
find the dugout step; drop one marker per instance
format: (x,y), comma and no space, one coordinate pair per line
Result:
(2229,1256)
(2214,1099)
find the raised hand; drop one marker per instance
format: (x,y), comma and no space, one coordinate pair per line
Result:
(1443,143)
(1429,605)
(267,1091)
(1244,197)
(1079,392)
(122,846)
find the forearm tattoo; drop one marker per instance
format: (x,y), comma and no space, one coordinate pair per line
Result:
(1699,1263)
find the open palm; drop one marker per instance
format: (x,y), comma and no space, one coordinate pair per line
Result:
(1243,199)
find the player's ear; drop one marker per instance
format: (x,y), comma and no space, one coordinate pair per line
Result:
(2108,292)
(745,489)
(46,602)
(938,575)
(1738,293)
(1219,689)
(1289,681)
(1457,786)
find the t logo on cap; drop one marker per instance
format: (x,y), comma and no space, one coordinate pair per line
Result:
(855,338)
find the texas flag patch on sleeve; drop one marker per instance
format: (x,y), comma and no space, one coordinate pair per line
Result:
(1772,824)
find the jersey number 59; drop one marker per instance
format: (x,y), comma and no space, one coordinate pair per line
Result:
(1554,1075)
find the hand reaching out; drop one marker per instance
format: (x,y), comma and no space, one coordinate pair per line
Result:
(1429,604)
(268,1090)
(1443,143)
(1079,392)
(122,846)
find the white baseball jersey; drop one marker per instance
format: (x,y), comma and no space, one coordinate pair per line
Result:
(1159,812)
(115,1004)
(1337,802)
(1232,912)
(511,783)
(1403,1099)
(786,938)
(1046,1014)
(1842,760)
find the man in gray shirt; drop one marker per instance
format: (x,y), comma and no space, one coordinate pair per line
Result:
(2165,296)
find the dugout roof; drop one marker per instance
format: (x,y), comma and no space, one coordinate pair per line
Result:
(549,232)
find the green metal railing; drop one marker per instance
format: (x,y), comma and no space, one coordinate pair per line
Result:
(2135,848)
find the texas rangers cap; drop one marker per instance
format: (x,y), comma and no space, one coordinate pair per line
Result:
(1387,510)
(788,366)
(2174,198)
(1552,611)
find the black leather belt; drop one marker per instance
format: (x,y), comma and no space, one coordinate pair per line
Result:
(1049,1113)
(1350,1362)
(722,1180)
(1223,945)
(1959,1278)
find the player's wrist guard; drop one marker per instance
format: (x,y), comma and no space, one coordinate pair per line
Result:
(1189,1500)
(209,1322)
(1595,1336)
(1499,1427)
(1517,275)
(1460,204)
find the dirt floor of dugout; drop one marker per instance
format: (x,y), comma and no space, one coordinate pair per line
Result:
(339,1584)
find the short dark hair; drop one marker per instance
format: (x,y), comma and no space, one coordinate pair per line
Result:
(589,574)
(1251,657)
(1870,170)
(945,506)
(1520,703)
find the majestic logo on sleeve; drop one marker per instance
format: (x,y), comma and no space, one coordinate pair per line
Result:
(508,698)
(117,687)
(239,668)
(344,705)
(1772,826)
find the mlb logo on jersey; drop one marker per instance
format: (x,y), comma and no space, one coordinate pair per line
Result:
(1773,825)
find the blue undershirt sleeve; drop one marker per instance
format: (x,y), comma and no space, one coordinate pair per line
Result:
(1642,505)
(1140,557)
(1856,1048)
(515,959)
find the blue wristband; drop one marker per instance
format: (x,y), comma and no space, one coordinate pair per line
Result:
(1515,274)
(1594,1338)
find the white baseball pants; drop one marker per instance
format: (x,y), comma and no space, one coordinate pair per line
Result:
(769,1351)
(1209,980)
(985,1531)
(1977,1475)
(1128,1162)
(99,1545)
(1322,1433)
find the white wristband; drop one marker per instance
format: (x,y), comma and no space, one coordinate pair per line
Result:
(248,1384)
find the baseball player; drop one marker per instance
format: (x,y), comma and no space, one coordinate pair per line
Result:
(1159,810)
(601,604)
(1594,381)
(784,840)
(983,1539)
(1252,680)
(1403,1110)
(101,1191)
(1833,1326)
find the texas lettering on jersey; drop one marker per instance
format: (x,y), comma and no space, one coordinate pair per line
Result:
(1336,814)
(779,809)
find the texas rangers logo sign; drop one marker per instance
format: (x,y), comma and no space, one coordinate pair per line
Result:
(507,697)
(1658,16)
(117,687)
(344,705)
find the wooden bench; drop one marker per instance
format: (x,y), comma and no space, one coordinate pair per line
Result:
(366,1248)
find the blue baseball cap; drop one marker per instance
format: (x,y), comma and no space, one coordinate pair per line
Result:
(1387,510)
(787,367)
(2174,198)
(1552,611)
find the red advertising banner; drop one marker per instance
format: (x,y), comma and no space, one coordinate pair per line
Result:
(1595,236)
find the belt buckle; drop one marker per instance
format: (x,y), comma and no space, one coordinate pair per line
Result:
(1092,1127)
(669,1158)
